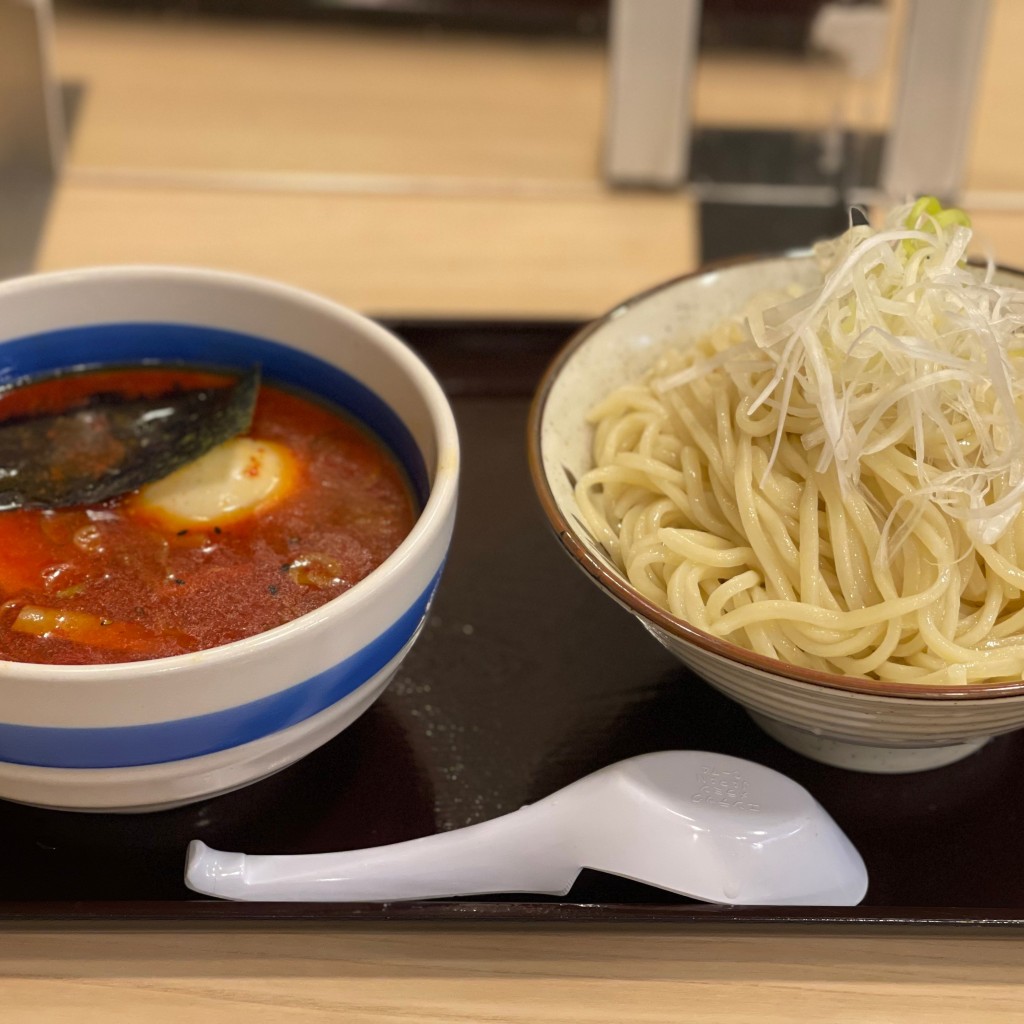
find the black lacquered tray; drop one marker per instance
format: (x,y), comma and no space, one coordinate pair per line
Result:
(525,678)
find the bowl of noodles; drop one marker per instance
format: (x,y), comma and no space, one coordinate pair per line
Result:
(804,474)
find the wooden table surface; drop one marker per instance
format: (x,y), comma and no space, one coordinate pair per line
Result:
(533,975)
(411,173)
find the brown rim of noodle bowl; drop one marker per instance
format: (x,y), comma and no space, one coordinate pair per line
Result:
(627,596)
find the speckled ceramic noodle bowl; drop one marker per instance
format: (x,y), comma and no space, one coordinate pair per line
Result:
(856,591)
(160,731)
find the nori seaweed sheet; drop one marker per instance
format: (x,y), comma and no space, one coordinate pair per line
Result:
(111,445)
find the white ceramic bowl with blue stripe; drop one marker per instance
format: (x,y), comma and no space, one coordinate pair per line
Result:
(154,734)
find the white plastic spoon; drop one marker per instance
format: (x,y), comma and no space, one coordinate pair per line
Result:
(708,826)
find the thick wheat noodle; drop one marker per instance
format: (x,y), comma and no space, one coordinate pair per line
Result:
(783,560)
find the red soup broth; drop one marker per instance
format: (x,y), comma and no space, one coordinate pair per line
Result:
(118,585)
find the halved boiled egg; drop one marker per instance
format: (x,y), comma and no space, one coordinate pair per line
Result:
(236,479)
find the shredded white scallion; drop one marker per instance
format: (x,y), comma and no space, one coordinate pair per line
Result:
(903,344)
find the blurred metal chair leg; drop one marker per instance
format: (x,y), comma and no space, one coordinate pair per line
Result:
(31,130)
(943,48)
(652,47)
(652,51)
